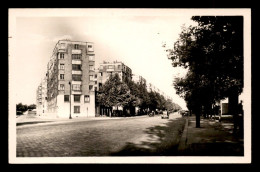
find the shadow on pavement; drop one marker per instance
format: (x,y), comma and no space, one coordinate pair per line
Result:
(213,139)
(214,149)
(160,141)
(33,122)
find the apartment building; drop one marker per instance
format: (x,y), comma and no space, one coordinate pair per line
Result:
(41,98)
(138,79)
(106,69)
(70,79)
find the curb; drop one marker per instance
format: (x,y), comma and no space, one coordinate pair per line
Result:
(184,138)
(59,121)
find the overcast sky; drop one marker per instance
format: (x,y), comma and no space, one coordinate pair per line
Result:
(134,38)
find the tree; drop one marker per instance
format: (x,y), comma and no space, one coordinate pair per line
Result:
(213,54)
(144,97)
(114,93)
(20,108)
(32,106)
(135,100)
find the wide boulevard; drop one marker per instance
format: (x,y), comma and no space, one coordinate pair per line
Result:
(129,136)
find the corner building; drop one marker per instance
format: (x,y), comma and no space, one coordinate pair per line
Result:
(70,78)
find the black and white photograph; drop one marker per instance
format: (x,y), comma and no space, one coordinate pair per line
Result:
(123,85)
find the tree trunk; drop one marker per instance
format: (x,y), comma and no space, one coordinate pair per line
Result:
(197,120)
(197,112)
(233,107)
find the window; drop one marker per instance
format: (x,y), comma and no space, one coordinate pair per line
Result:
(66,98)
(95,88)
(89,46)
(76,87)
(61,76)
(119,66)
(91,67)
(91,87)
(76,46)
(95,82)
(76,98)
(91,58)
(95,75)
(61,55)
(86,98)
(76,67)
(76,56)
(62,87)
(62,66)
(76,109)
(91,77)
(101,74)
(76,77)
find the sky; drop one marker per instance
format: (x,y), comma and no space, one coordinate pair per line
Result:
(134,38)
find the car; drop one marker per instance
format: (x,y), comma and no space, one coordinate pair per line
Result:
(165,115)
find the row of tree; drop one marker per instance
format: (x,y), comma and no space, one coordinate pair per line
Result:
(128,94)
(21,108)
(212,52)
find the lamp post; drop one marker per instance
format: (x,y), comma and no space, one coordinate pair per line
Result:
(70,100)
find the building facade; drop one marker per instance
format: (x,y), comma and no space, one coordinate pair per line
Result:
(138,79)
(41,98)
(70,79)
(107,69)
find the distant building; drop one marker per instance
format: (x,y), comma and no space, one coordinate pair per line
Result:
(70,76)
(106,69)
(41,98)
(138,79)
(102,74)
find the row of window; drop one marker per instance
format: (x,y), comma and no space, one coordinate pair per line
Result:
(76,46)
(110,66)
(77,57)
(76,98)
(76,67)
(77,77)
(78,87)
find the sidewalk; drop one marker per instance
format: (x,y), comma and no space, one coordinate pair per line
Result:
(26,120)
(213,138)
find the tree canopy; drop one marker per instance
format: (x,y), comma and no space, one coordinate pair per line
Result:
(212,52)
(128,94)
(114,93)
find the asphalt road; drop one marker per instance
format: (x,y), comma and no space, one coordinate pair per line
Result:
(135,136)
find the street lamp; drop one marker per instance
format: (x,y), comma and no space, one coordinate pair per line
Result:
(70,100)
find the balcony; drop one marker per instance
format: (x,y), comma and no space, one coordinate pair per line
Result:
(76,82)
(77,72)
(110,70)
(76,92)
(74,51)
(76,61)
